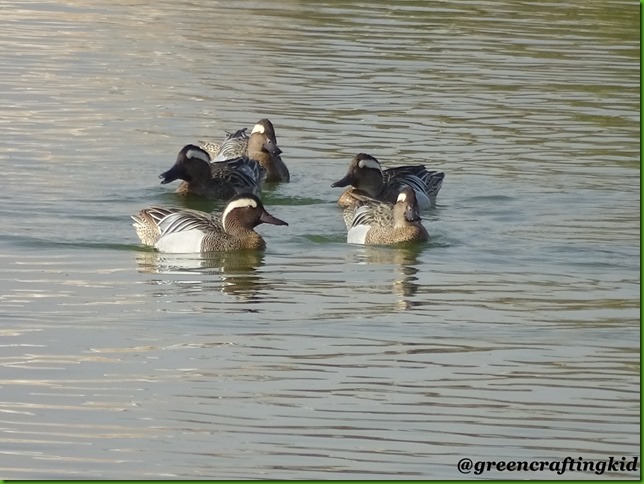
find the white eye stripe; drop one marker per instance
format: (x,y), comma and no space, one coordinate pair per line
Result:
(402,197)
(197,154)
(239,203)
(258,128)
(369,163)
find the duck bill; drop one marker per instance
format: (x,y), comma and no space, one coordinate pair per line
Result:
(267,218)
(171,175)
(272,147)
(347,180)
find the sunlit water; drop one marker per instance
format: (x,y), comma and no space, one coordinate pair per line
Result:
(512,335)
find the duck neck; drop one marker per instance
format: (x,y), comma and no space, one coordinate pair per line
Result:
(234,227)
(256,149)
(371,183)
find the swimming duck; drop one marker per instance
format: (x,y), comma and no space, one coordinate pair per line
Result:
(366,176)
(219,181)
(177,230)
(377,222)
(261,145)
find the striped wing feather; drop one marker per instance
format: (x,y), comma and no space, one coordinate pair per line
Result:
(235,145)
(373,214)
(184,220)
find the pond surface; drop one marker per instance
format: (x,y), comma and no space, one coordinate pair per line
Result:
(514,334)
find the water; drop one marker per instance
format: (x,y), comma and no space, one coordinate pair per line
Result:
(512,335)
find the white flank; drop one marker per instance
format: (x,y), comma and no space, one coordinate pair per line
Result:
(185,242)
(258,128)
(198,154)
(357,234)
(402,197)
(369,163)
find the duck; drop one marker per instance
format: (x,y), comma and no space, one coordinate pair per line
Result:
(383,223)
(179,230)
(218,181)
(366,176)
(260,145)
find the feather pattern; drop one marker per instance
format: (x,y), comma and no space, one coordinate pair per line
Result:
(184,220)
(234,145)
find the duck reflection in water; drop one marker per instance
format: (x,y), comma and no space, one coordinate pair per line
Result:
(232,273)
(404,260)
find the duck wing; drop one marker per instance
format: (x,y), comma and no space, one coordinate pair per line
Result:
(184,220)
(373,213)
(426,183)
(244,174)
(234,145)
